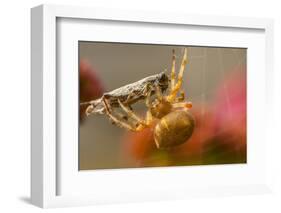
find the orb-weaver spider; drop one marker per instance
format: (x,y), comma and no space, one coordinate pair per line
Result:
(174,123)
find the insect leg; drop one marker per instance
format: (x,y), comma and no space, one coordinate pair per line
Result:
(131,113)
(128,99)
(93,107)
(89,110)
(116,120)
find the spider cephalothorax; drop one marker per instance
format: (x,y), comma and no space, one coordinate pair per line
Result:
(174,123)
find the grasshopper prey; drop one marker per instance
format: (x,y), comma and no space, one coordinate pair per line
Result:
(128,94)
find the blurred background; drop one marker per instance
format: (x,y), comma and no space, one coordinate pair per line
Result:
(215,82)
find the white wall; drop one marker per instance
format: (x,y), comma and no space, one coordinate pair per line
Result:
(15,98)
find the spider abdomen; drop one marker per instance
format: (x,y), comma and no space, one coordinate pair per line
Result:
(174,129)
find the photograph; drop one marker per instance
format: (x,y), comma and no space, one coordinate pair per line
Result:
(161,105)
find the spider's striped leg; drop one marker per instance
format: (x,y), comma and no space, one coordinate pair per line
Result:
(149,117)
(173,93)
(159,93)
(181,97)
(173,70)
(187,105)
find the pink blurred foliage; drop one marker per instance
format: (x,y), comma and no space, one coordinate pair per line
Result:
(90,86)
(219,135)
(230,118)
(230,110)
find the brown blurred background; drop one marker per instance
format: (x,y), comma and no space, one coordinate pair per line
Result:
(211,81)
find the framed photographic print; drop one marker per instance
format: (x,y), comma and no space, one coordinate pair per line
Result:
(133,106)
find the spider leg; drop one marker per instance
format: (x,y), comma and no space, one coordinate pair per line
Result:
(173,93)
(187,105)
(149,117)
(181,97)
(147,99)
(173,70)
(116,120)
(159,93)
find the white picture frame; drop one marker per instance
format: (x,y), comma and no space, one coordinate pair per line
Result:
(46,162)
